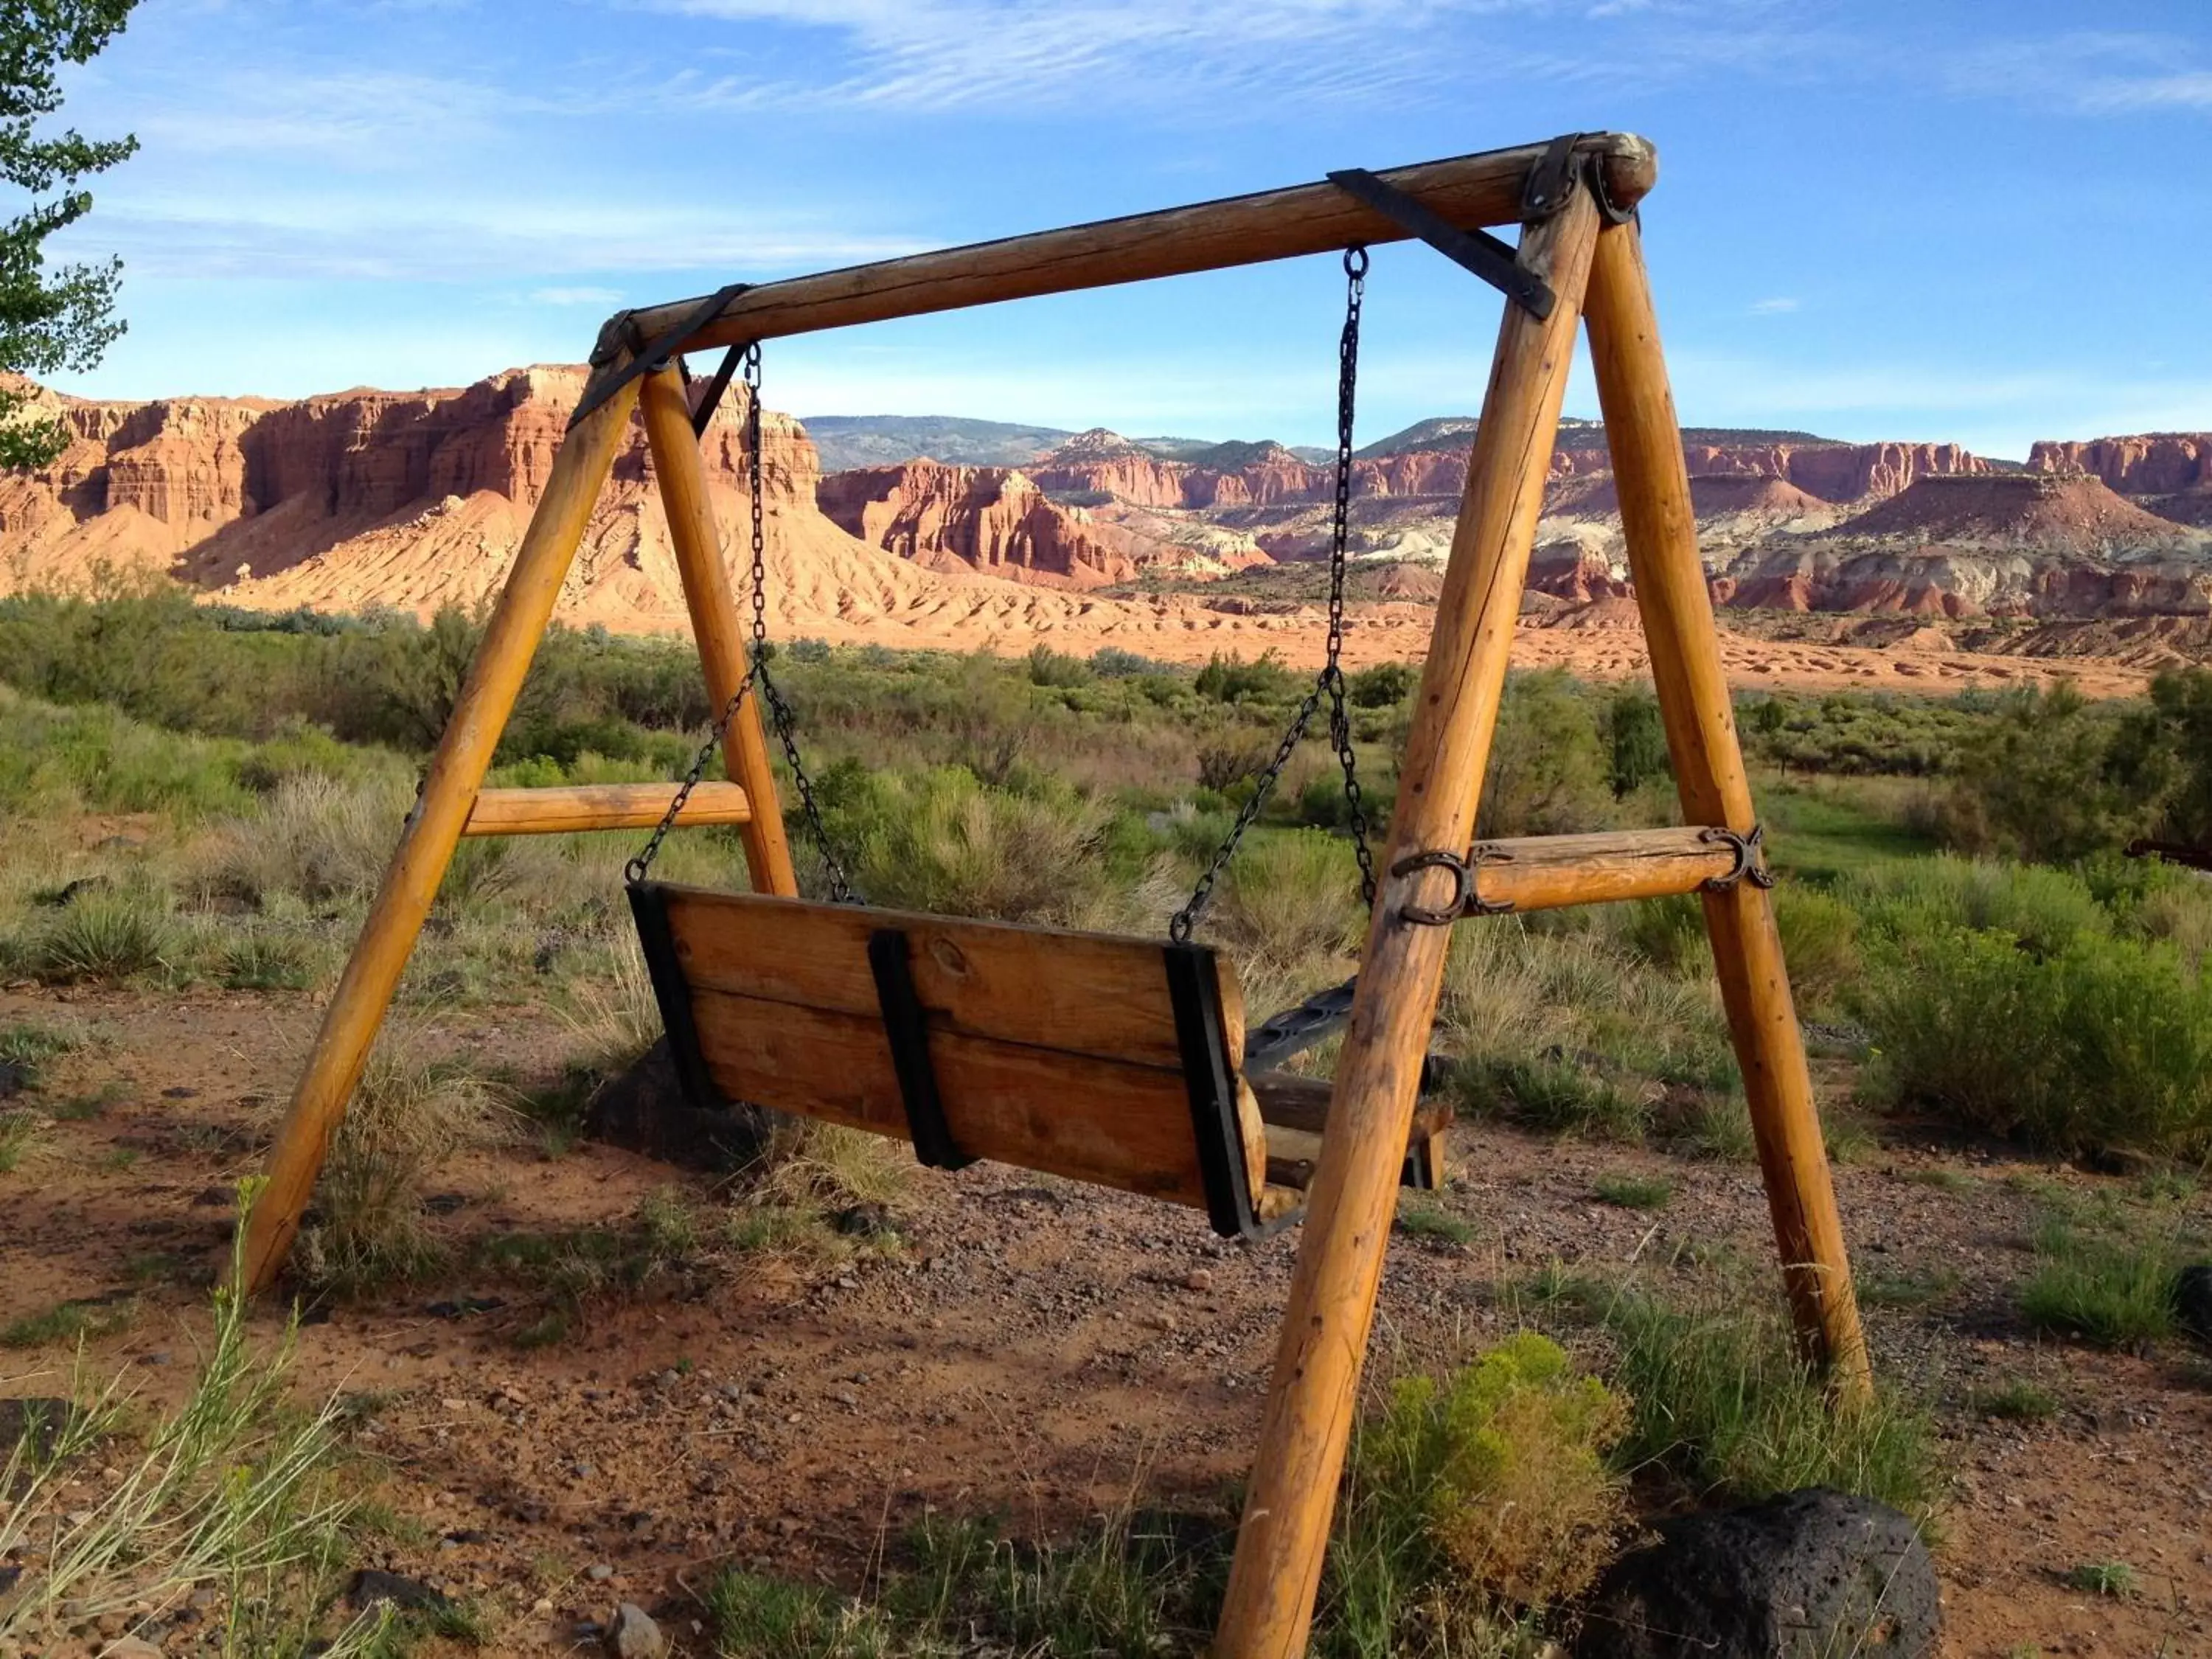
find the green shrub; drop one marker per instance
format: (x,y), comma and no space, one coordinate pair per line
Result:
(2045,910)
(1819,944)
(1289,904)
(2015,1399)
(1506,1462)
(1549,772)
(2107,1044)
(101,937)
(944,842)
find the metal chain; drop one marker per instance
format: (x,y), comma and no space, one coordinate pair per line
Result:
(1329,681)
(757,678)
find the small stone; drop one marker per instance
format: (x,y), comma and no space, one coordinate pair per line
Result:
(370,1587)
(130,1647)
(542,1607)
(1197,1280)
(211,1198)
(600,1573)
(631,1634)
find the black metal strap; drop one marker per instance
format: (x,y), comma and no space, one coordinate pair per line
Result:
(1195,993)
(702,411)
(1498,263)
(906,1024)
(1750,850)
(658,355)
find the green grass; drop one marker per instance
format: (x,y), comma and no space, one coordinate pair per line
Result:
(1910,1290)
(2015,1399)
(1420,1220)
(2112,1292)
(1633,1192)
(1721,1404)
(17,1131)
(66,1321)
(26,1048)
(2114,1579)
(1826,837)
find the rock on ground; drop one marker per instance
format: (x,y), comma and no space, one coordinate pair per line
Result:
(644,1111)
(631,1634)
(1803,1575)
(2192,1300)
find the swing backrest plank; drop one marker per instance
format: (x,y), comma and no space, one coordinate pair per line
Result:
(1052,1050)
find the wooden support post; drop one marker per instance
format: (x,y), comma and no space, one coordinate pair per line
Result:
(1310,1403)
(432,829)
(716,623)
(1549,872)
(1669,576)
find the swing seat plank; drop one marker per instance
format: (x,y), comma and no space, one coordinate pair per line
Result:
(1069,1053)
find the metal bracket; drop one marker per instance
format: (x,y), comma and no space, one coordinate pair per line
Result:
(1750,852)
(607,380)
(1552,181)
(906,1024)
(1466,900)
(1298,1028)
(1498,263)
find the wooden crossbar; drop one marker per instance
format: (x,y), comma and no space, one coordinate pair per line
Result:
(1547,873)
(1469,190)
(558,811)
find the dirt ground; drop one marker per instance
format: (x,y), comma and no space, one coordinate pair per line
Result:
(1035,1349)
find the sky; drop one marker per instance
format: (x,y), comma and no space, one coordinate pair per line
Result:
(1985,221)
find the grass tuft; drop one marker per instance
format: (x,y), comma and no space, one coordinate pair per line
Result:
(2110,1291)
(1633,1192)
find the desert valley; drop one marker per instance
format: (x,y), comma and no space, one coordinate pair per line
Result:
(1905,563)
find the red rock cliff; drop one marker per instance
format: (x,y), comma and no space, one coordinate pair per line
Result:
(2151,463)
(991,519)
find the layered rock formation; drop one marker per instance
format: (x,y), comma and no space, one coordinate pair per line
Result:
(990,518)
(2149,463)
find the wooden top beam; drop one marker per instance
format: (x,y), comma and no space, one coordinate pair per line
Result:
(1484,189)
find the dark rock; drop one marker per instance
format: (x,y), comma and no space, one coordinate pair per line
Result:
(180,1092)
(213,1197)
(631,1634)
(370,1587)
(446,1203)
(463,1307)
(862,1221)
(14,1078)
(644,1111)
(1803,1575)
(37,1419)
(2192,1300)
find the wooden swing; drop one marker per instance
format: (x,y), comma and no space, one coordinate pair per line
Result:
(1122,1060)
(1116,1061)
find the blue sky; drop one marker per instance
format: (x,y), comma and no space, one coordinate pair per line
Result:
(1976,220)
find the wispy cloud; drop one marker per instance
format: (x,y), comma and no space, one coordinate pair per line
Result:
(1773,308)
(941,56)
(297,234)
(2090,72)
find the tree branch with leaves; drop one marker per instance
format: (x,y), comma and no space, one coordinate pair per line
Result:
(53,317)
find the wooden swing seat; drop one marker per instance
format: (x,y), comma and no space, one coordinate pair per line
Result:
(1114,1060)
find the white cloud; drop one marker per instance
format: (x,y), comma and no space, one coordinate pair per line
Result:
(1198,56)
(1773,308)
(2090,72)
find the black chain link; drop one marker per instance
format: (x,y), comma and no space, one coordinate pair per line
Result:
(1330,681)
(757,678)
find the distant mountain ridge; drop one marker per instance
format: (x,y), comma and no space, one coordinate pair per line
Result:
(847,441)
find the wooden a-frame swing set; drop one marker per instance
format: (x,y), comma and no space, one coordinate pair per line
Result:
(1122,1061)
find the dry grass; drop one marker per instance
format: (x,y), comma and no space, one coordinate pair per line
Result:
(408,1115)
